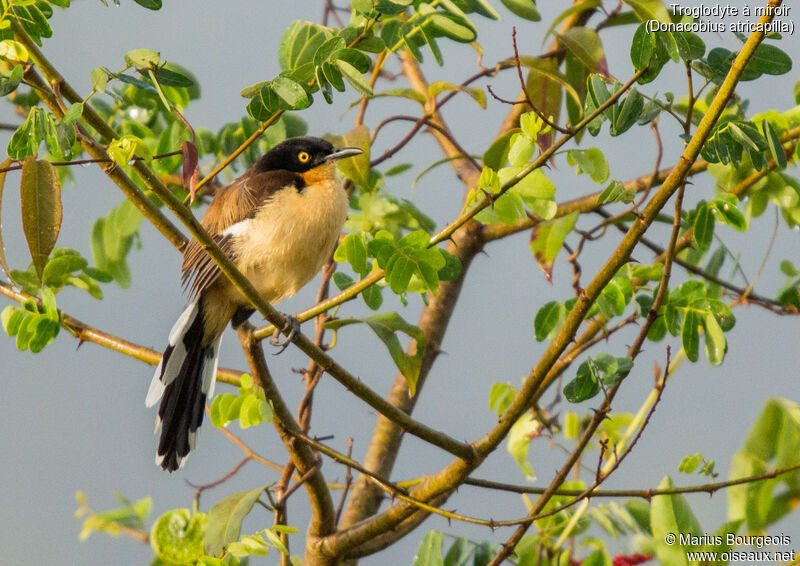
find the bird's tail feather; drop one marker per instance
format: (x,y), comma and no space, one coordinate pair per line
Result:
(183,381)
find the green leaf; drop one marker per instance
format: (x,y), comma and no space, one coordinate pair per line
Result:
(9,81)
(452,26)
(391,7)
(703,226)
(326,50)
(452,267)
(58,269)
(590,161)
(410,256)
(225,519)
(40,196)
(614,369)
(535,189)
(598,90)
(585,45)
(716,344)
(26,331)
(73,113)
(521,150)
(500,397)
(546,240)
(690,46)
(356,58)
(531,124)
(642,47)
(149,4)
(291,92)
(690,336)
(547,317)
(729,214)
(397,169)
(252,545)
(629,113)
(356,168)
(299,43)
(615,192)
(26,139)
(332,76)
(142,59)
(671,515)
(12,318)
(354,251)
(690,463)
(177,536)
(429,552)
(122,150)
(768,60)
(775,145)
(666,46)
(497,154)
(459,551)
(134,81)
(585,385)
(386,326)
(354,77)
(372,297)
(523,8)
(170,77)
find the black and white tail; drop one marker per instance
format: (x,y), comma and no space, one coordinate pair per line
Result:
(183,381)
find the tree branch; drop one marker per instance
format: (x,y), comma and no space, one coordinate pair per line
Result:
(322,511)
(86,333)
(458,470)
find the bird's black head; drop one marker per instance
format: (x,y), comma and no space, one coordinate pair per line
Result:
(302,154)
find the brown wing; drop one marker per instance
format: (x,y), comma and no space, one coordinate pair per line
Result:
(238,201)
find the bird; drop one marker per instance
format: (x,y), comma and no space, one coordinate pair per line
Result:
(278,223)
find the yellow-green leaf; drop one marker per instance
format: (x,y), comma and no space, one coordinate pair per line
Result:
(356,168)
(13,50)
(177,536)
(225,519)
(142,59)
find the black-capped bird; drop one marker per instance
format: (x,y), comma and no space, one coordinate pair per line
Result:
(278,223)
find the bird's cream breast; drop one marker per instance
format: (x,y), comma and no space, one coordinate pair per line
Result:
(291,237)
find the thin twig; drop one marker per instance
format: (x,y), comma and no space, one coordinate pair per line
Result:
(199,489)
(348,480)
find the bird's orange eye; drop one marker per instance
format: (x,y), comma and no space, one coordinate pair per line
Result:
(303,157)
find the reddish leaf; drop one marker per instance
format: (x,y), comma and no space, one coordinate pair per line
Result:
(546,240)
(190,169)
(545,93)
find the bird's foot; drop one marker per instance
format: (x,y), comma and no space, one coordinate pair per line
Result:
(293,327)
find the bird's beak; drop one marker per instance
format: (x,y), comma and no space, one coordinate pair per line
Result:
(343,152)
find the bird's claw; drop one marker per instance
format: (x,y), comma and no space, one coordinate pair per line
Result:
(293,326)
